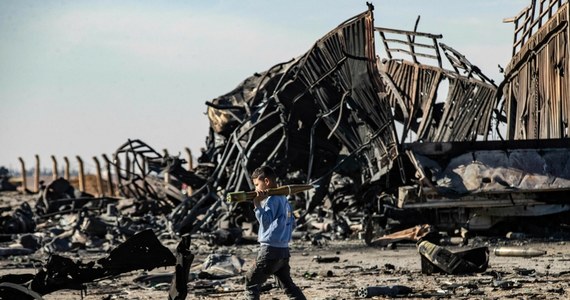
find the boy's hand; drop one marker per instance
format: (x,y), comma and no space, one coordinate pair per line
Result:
(261,195)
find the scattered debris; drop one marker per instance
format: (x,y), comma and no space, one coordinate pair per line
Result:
(382,145)
(141,251)
(435,259)
(328,259)
(518,251)
(413,234)
(5,184)
(390,291)
(21,221)
(184,258)
(221,266)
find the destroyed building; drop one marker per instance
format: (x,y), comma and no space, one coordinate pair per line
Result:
(381,135)
(387,123)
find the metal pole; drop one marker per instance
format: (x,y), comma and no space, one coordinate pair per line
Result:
(81,175)
(37,175)
(110,187)
(54,173)
(24,176)
(142,161)
(66,170)
(190,168)
(100,191)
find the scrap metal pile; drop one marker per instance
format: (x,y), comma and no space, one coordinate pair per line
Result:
(309,118)
(419,132)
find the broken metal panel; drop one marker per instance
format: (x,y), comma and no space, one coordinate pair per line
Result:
(437,259)
(233,109)
(336,97)
(335,78)
(411,85)
(404,42)
(255,132)
(417,86)
(470,103)
(299,116)
(530,20)
(340,73)
(413,89)
(463,66)
(141,251)
(467,111)
(536,86)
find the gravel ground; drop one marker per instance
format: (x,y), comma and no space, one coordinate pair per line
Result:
(358,266)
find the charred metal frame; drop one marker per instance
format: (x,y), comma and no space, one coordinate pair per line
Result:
(328,99)
(338,102)
(536,83)
(413,87)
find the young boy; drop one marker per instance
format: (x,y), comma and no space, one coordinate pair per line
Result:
(276,223)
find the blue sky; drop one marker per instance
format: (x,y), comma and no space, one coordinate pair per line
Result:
(82,77)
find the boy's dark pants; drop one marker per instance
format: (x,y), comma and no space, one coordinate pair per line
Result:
(271,261)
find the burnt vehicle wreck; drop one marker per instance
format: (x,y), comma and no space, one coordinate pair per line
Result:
(421,136)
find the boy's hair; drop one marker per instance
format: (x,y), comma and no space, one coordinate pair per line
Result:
(264,172)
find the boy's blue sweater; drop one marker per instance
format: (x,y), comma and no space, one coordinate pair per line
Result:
(276,222)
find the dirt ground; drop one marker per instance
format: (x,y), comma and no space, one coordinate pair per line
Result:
(358,266)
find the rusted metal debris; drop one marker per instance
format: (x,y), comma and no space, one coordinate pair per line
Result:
(20,221)
(320,99)
(327,259)
(138,165)
(347,105)
(438,259)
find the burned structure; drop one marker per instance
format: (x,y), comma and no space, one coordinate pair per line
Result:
(524,173)
(308,118)
(422,130)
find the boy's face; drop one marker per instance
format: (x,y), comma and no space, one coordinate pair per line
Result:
(261,184)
